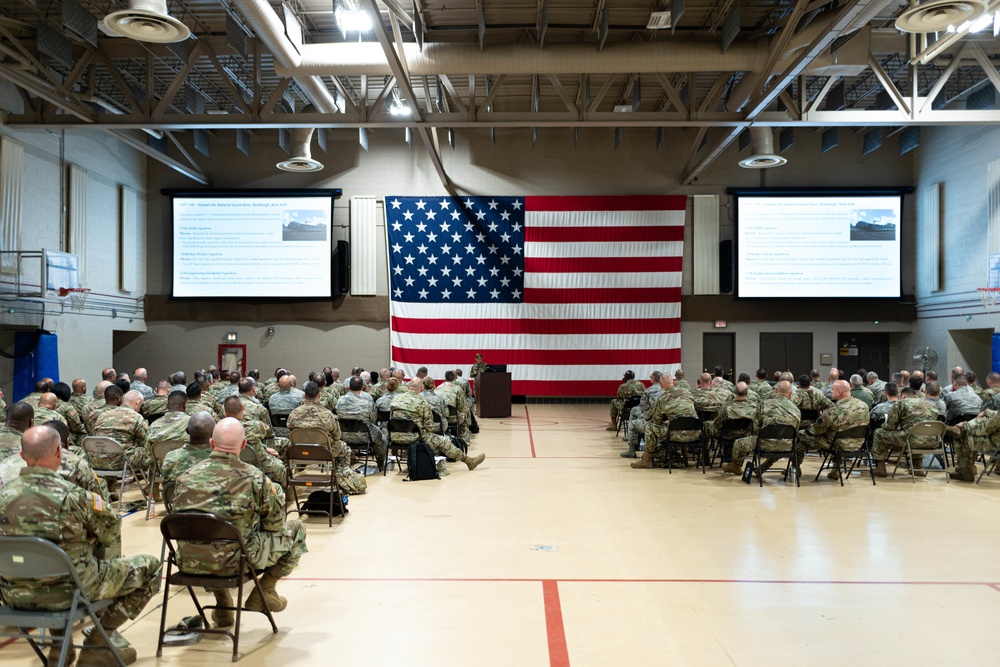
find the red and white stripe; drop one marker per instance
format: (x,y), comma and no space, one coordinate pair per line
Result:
(602,294)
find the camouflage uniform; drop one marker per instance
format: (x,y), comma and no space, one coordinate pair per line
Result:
(709,399)
(673,402)
(32,399)
(904,414)
(881,410)
(283,403)
(80,402)
(981,434)
(205,403)
(626,390)
(91,412)
(988,394)
(734,409)
(454,395)
(776,410)
(311,415)
(960,402)
(240,493)
(810,398)
(939,405)
(362,407)
(477,368)
(144,390)
(685,385)
(437,405)
(762,388)
(226,392)
(877,388)
(40,503)
(409,405)
(257,441)
(3,410)
(269,389)
(218,386)
(71,467)
(846,413)
(179,461)
(383,402)
(171,426)
(642,414)
(10,441)
(126,426)
(77,431)
(43,415)
(154,406)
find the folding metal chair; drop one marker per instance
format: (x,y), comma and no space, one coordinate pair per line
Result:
(158,452)
(784,432)
(676,425)
(623,414)
(359,427)
(102,446)
(928,429)
(401,426)
(37,558)
(730,431)
(206,527)
(313,467)
(452,420)
(845,459)
(279,424)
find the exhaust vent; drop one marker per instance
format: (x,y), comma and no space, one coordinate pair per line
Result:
(147,21)
(762,150)
(300,160)
(938,15)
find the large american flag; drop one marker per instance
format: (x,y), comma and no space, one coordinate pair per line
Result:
(568,292)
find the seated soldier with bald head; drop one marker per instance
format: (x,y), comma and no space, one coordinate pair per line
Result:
(240,493)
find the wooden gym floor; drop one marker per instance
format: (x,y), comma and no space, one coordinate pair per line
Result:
(555,552)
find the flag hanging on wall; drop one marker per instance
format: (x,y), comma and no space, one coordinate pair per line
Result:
(567,292)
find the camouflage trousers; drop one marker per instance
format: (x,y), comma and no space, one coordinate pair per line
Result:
(657,432)
(636,428)
(967,449)
(616,406)
(130,582)
(137,457)
(885,442)
(280,551)
(270,465)
(443,446)
(350,482)
(356,441)
(279,444)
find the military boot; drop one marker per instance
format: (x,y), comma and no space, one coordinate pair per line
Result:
(473,461)
(630,453)
(645,462)
(55,649)
(964,473)
(880,470)
(918,467)
(223,618)
(730,467)
(255,601)
(611,427)
(102,657)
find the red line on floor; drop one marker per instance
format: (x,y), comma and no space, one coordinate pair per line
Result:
(995,587)
(8,642)
(531,438)
(558,653)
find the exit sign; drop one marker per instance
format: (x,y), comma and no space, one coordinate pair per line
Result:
(720,324)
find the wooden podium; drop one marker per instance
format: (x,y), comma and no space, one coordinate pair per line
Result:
(493,395)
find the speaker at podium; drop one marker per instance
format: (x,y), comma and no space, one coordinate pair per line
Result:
(493,392)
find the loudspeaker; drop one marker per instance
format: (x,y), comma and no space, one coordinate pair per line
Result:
(726,267)
(342,268)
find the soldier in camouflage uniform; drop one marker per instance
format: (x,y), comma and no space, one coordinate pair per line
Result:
(436,402)
(890,393)
(77,431)
(740,407)
(40,503)
(808,397)
(42,386)
(3,407)
(46,409)
(905,413)
(231,388)
(195,450)
(198,400)
(20,418)
(158,404)
(470,401)
(271,387)
(981,434)
(122,421)
(311,415)
(478,368)
(171,426)
(409,405)
(673,402)
(79,399)
(962,400)
(139,384)
(680,382)
(89,414)
(778,409)
(454,396)
(393,388)
(357,404)
(268,458)
(235,491)
(217,382)
(876,386)
(642,414)
(706,397)
(847,412)
(629,388)
(178,381)
(761,386)
(284,400)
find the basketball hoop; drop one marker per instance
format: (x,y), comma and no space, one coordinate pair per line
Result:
(77,296)
(988,295)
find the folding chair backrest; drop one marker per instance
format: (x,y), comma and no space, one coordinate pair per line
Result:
(707,415)
(632,402)
(684,424)
(101,444)
(152,418)
(777,432)
(352,425)
(736,425)
(249,455)
(198,526)
(928,429)
(809,415)
(400,425)
(963,418)
(279,420)
(383,415)
(161,449)
(311,452)
(309,436)
(34,558)
(452,413)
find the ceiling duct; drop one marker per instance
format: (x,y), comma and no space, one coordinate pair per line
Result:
(762,155)
(147,21)
(300,155)
(938,15)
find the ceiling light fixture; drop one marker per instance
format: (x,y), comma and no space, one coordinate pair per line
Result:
(147,21)
(352,18)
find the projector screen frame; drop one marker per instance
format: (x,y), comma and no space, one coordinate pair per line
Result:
(217,193)
(792,192)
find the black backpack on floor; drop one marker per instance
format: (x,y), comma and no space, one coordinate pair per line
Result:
(420,463)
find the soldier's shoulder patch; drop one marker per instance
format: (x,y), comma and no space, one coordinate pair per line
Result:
(98,502)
